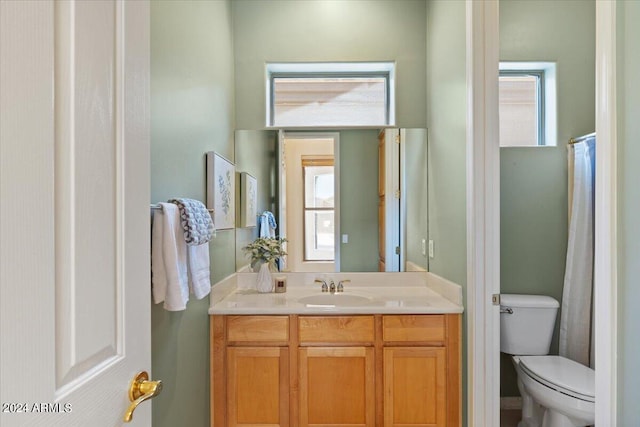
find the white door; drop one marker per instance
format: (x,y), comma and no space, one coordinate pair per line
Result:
(392,199)
(74,222)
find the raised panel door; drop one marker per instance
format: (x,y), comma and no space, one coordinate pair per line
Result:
(337,386)
(415,391)
(74,167)
(258,386)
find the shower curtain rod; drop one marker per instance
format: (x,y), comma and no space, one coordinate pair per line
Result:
(581,138)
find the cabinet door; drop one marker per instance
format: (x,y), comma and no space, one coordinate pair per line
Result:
(415,392)
(337,386)
(258,386)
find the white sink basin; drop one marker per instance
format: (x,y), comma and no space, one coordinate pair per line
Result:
(335,300)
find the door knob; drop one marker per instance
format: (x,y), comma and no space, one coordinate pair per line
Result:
(141,389)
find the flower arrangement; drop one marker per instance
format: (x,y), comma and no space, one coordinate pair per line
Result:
(265,250)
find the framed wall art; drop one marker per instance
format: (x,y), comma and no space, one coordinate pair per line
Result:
(248,200)
(221,190)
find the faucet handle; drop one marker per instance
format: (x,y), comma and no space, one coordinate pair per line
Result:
(341,284)
(325,288)
(332,286)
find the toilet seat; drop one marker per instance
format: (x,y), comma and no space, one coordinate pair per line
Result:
(561,374)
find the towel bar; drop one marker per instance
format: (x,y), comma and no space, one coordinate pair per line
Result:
(157,206)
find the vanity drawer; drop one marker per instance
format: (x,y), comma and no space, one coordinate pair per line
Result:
(336,329)
(258,328)
(420,328)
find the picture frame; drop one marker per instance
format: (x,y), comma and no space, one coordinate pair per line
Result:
(221,190)
(248,200)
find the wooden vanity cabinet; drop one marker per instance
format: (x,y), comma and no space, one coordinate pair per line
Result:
(363,370)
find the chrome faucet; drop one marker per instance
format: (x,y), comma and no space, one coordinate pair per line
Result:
(332,287)
(325,288)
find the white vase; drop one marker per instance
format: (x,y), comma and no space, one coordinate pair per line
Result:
(265,281)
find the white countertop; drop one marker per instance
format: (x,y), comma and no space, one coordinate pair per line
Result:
(368,293)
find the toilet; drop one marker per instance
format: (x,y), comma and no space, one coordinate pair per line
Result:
(556,391)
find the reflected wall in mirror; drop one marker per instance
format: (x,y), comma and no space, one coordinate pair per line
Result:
(415,202)
(364,234)
(255,154)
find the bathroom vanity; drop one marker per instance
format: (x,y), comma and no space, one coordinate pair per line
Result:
(373,355)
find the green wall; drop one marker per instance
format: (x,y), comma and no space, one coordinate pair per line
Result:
(628,57)
(332,30)
(446,123)
(359,199)
(416,188)
(533,180)
(192,111)
(256,154)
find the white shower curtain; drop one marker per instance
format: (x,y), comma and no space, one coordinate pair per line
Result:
(576,314)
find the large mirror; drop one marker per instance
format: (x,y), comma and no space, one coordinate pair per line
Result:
(346,200)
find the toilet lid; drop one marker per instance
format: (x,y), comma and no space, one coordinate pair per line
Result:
(562,374)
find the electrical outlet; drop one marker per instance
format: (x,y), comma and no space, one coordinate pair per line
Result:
(345,238)
(424,247)
(431,249)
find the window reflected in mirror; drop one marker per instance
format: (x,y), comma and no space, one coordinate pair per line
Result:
(319,213)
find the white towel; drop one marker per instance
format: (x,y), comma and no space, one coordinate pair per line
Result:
(169,259)
(199,280)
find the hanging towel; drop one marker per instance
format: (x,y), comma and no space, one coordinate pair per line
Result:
(268,225)
(199,272)
(195,220)
(169,259)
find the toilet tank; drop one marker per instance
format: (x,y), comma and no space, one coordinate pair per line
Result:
(526,323)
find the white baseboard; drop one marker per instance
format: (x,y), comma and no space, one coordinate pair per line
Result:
(511,402)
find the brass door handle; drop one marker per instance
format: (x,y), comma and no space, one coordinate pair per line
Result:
(141,389)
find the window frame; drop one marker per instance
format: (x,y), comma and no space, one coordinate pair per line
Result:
(540,97)
(310,70)
(547,94)
(311,162)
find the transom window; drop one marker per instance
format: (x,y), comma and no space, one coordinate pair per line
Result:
(527,104)
(330,94)
(521,107)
